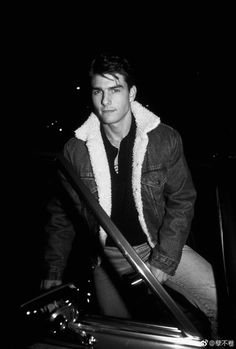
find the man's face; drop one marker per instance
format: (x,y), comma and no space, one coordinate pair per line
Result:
(111,97)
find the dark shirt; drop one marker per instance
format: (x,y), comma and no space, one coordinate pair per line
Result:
(124,213)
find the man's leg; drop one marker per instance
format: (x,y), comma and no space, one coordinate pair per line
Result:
(109,298)
(194,279)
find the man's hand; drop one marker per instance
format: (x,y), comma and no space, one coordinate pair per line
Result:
(160,275)
(46,284)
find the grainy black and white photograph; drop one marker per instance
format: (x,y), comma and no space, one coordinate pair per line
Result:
(125,192)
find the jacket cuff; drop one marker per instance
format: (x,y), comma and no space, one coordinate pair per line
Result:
(164,263)
(54,274)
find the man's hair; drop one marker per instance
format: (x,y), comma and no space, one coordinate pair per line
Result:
(109,63)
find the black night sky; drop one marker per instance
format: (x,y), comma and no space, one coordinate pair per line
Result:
(179,66)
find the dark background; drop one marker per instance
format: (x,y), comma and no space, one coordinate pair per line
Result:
(183,62)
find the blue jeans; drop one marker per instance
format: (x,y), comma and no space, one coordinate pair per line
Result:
(194,279)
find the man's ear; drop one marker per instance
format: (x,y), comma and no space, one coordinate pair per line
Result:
(132,93)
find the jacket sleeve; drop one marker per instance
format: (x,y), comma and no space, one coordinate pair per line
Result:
(180,196)
(60,234)
(60,229)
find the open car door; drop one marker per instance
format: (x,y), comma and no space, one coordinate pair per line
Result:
(71,328)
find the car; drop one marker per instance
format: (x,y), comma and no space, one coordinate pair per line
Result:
(61,317)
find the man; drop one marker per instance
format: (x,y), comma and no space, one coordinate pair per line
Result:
(135,166)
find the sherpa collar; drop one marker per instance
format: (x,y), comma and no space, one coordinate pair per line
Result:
(90,133)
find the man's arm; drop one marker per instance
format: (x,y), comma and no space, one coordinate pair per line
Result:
(60,234)
(180,197)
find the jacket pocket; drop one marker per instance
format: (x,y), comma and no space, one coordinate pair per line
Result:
(154,178)
(153,183)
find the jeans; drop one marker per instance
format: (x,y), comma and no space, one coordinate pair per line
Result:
(194,279)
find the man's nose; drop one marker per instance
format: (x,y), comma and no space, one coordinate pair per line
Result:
(106,100)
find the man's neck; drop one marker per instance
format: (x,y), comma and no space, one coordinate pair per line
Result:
(116,132)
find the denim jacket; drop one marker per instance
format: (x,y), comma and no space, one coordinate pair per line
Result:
(163,190)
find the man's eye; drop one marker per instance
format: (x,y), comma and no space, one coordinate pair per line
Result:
(115,90)
(96,92)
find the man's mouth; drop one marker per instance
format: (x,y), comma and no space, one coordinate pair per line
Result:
(108,110)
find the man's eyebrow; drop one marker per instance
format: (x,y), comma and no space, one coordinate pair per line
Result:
(109,88)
